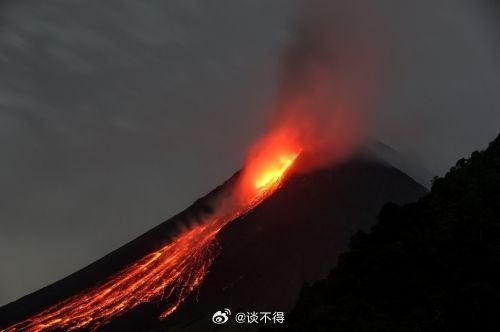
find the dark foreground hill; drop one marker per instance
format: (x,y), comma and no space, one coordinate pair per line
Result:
(433,265)
(266,256)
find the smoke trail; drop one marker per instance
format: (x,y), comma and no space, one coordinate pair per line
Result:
(428,72)
(328,82)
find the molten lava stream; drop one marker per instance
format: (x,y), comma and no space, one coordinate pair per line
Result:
(171,273)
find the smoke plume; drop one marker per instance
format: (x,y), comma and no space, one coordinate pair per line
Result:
(420,77)
(328,80)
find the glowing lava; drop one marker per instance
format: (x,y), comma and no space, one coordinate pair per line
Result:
(173,272)
(275,174)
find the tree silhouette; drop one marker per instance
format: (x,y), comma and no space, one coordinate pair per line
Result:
(433,265)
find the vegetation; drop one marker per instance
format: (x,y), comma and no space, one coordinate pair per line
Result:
(433,265)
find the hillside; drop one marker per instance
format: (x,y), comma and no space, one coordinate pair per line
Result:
(433,265)
(265,256)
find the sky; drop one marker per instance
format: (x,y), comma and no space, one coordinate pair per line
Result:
(116,115)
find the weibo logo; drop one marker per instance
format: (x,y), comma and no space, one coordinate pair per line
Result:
(221,317)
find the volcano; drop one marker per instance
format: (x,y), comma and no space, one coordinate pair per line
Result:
(261,259)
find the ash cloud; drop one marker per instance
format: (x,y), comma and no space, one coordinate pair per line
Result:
(329,75)
(421,77)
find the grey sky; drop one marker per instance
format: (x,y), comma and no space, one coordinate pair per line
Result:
(115,115)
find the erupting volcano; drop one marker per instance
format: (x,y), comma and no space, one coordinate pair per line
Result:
(177,269)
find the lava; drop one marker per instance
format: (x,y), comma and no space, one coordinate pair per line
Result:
(275,174)
(174,271)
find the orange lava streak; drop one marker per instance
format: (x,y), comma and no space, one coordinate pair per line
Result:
(170,273)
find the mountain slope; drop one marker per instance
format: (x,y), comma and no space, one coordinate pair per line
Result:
(265,256)
(433,265)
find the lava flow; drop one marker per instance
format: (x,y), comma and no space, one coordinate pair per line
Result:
(177,269)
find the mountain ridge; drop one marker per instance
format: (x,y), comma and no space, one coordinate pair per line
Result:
(231,245)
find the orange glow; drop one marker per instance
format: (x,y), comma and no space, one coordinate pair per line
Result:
(275,173)
(269,160)
(177,269)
